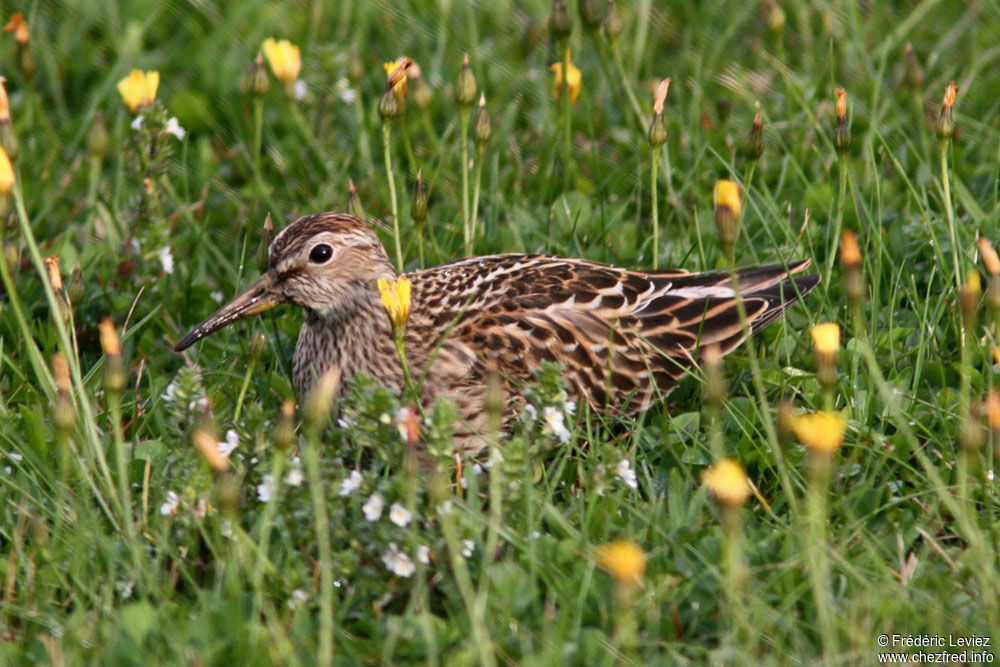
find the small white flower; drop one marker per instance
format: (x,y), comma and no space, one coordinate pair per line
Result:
(137,123)
(351,483)
(385,418)
(569,407)
(989,475)
(125,588)
(166,259)
(348,95)
(372,509)
(174,128)
(169,508)
(345,422)
(301,90)
(556,423)
(265,489)
(171,392)
(294,476)
(424,554)
(15,456)
(624,470)
(217,296)
(399,515)
(477,469)
(469,547)
(298,597)
(226,528)
(531,411)
(229,445)
(398,562)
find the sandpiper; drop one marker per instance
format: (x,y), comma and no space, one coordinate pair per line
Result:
(623,338)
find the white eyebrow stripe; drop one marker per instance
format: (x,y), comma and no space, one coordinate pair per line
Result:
(703,292)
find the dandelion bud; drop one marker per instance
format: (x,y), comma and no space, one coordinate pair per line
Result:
(389,106)
(8,140)
(657,133)
(408,425)
(968,300)
(465,90)
(946,118)
(321,397)
(590,13)
(612,22)
(785,415)
(63,412)
(826,345)
(842,132)
(265,242)
(991,408)
(11,253)
(481,128)
(418,205)
(285,60)
(914,73)
(284,435)
(970,433)
(75,289)
(114,368)
(728,209)
(354,201)
(728,483)
(55,275)
(259,81)
(715,378)
(258,345)
(776,18)
(97,140)
(850,259)
(356,68)
(397,73)
(560,22)
(624,561)
(753,143)
(992,262)
(821,432)
(207,444)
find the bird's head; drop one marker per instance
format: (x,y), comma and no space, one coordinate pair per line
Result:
(326,263)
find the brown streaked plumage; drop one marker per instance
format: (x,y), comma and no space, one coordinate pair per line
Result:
(624,338)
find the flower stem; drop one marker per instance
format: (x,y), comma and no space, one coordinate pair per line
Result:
(567,121)
(654,166)
(466,223)
(323,544)
(264,536)
(480,155)
(838,222)
(629,93)
(387,150)
(950,212)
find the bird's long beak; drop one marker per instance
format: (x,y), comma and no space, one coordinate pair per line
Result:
(262,295)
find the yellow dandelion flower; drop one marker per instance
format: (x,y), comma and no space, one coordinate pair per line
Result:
(396,300)
(821,432)
(285,60)
(623,560)
(728,482)
(6,174)
(138,89)
(573,79)
(826,338)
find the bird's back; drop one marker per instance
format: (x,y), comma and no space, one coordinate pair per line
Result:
(624,338)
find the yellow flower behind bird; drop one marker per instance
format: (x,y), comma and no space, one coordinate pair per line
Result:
(399,88)
(138,89)
(396,300)
(573,79)
(285,60)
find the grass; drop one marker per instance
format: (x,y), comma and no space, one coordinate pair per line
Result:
(119,541)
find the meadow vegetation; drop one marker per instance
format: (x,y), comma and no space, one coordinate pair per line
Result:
(819,487)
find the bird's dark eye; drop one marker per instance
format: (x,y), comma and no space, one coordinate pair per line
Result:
(320,254)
